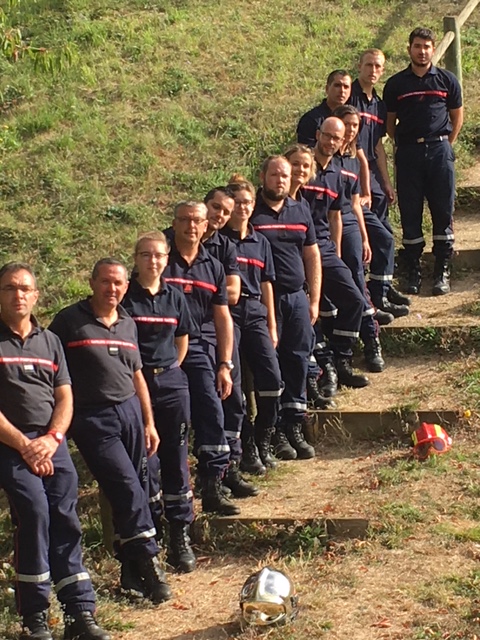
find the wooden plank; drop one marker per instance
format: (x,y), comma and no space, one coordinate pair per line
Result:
(334,527)
(466,12)
(341,426)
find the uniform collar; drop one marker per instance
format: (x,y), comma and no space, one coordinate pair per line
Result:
(87,308)
(36,328)
(135,287)
(432,71)
(252,235)
(213,239)
(357,87)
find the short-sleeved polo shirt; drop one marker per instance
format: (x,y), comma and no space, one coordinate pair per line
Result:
(220,247)
(30,370)
(102,360)
(349,170)
(324,193)
(288,231)
(255,261)
(373,113)
(160,318)
(203,283)
(422,104)
(310,122)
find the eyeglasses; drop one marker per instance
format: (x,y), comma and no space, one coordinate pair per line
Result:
(11,288)
(146,255)
(329,136)
(196,221)
(243,203)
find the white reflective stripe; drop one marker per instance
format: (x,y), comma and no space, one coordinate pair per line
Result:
(368,312)
(77,577)
(448,236)
(313,359)
(232,434)
(214,448)
(183,497)
(373,276)
(155,498)
(294,405)
(144,534)
(270,394)
(329,314)
(414,241)
(347,334)
(40,577)
(321,345)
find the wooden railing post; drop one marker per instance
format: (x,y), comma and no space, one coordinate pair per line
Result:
(453,55)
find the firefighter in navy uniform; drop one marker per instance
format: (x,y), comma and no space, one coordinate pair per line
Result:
(202,279)
(113,425)
(36,470)
(427,102)
(288,227)
(161,315)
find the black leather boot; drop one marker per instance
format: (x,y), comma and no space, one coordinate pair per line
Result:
(328,380)
(396,310)
(214,501)
(82,626)
(35,627)
(347,377)
(314,396)
(414,278)
(395,297)
(155,580)
(131,581)
(372,351)
(441,277)
(263,439)
(181,554)
(281,445)
(239,487)
(250,462)
(298,442)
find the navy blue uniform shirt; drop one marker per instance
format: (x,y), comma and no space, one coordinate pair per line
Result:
(220,247)
(288,231)
(203,283)
(309,123)
(324,193)
(101,359)
(422,104)
(373,115)
(254,258)
(349,170)
(30,370)
(160,318)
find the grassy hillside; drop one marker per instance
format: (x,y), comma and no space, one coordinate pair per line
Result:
(165,99)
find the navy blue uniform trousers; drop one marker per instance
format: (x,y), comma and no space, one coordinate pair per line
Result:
(426,170)
(294,347)
(256,347)
(47,533)
(171,410)
(210,443)
(112,443)
(382,264)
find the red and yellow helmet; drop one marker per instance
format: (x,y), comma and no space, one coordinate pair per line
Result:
(430,439)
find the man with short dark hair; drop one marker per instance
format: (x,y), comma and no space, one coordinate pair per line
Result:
(425,115)
(36,470)
(113,425)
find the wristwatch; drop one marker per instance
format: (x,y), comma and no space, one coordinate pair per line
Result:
(56,435)
(226,363)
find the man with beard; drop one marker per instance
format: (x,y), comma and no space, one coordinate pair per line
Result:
(288,226)
(427,103)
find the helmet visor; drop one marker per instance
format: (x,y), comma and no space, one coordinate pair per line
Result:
(263,613)
(425,449)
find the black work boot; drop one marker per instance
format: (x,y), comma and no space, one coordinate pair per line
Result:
(383,318)
(396,310)
(250,462)
(181,554)
(347,378)
(35,627)
(414,278)
(131,581)
(263,439)
(281,446)
(314,396)
(372,351)
(82,626)
(395,297)
(214,501)
(197,488)
(441,277)
(155,580)
(239,487)
(298,442)
(328,380)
